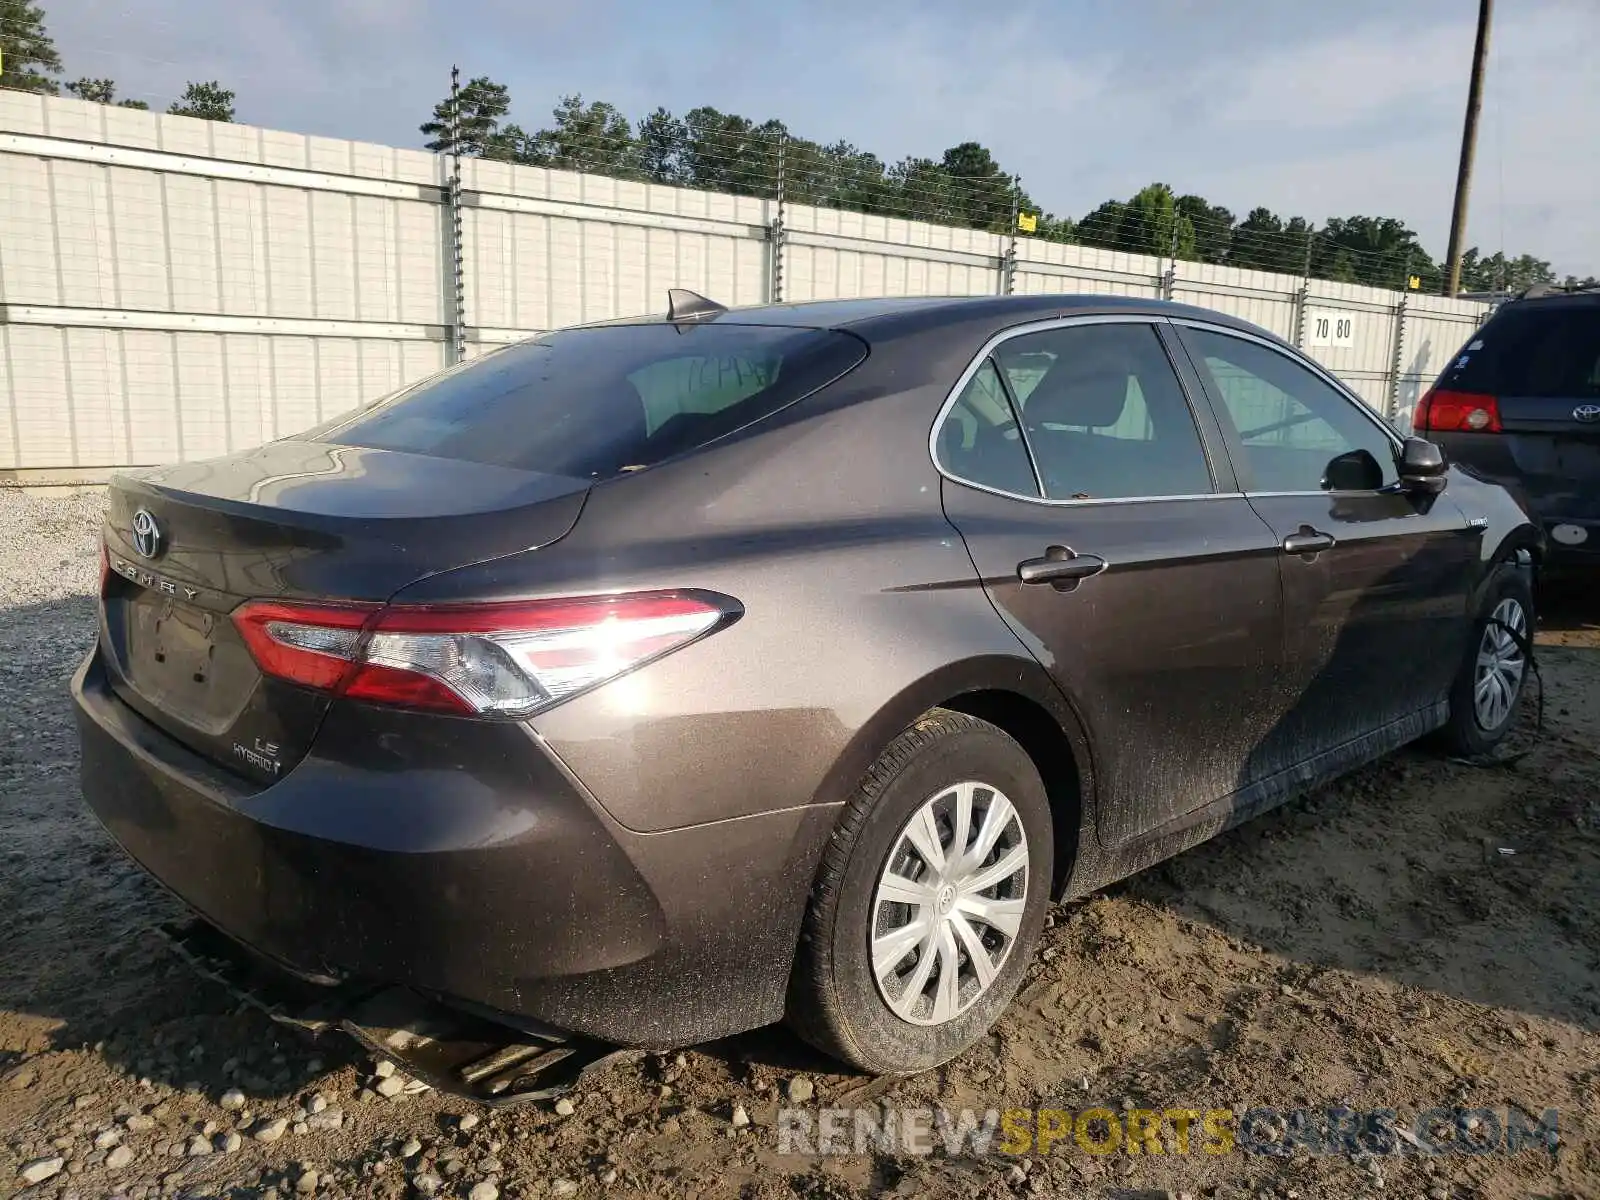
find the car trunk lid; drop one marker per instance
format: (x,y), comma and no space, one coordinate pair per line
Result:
(1555,449)
(293,520)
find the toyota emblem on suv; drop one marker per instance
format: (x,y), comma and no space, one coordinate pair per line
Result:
(146,534)
(1587,412)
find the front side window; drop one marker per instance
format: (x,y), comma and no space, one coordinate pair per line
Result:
(592,403)
(1291,424)
(1104,413)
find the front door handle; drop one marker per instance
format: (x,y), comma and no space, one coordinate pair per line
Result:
(1060,565)
(1308,541)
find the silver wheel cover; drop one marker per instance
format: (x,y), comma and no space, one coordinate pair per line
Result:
(1497,677)
(949,903)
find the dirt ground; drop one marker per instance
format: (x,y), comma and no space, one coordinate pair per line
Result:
(1373,945)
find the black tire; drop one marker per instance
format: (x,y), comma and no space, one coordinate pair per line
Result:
(1467,734)
(834,998)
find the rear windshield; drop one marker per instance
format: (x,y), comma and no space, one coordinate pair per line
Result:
(594,403)
(1532,351)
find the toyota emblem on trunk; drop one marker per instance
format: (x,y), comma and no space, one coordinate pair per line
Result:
(1587,412)
(146,534)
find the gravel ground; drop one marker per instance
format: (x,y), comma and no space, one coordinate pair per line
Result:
(1370,945)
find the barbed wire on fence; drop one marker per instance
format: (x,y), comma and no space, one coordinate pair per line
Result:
(745,160)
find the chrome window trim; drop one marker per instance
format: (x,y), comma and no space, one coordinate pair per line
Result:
(1346,493)
(1015,331)
(1316,368)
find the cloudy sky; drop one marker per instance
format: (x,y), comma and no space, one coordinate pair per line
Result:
(1319,109)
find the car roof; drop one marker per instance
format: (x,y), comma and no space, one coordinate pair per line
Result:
(900,314)
(1549,301)
(883,318)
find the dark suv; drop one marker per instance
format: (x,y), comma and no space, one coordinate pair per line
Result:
(1520,405)
(659,679)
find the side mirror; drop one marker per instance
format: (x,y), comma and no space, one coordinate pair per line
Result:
(1353,471)
(1423,470)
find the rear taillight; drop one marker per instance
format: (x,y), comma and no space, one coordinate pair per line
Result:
(504,659)
(310,644)
(105,566)
(1443,411)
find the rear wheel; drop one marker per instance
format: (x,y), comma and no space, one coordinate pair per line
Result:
(1488,691)
(929,900)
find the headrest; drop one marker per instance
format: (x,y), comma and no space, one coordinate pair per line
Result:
(1091,393)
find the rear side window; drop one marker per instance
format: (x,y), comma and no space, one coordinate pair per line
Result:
(598,402)
(1532,350)
(980,441)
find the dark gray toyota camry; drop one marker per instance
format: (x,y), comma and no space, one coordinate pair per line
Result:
(661,679)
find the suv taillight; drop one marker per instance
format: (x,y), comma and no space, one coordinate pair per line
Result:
(1442,411)
(503,659)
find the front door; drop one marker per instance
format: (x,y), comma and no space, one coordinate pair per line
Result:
(1374,581)
(1123,558)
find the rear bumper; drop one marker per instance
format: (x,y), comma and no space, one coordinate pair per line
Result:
(459,858)
(1562,548)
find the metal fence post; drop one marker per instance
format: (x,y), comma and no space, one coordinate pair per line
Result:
(1397,358)
(1303,296)
(776,234)
(458,312)
(1008,260)
(1169,277)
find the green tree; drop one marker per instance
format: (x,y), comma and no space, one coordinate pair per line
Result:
(1102,226)
(97,91)
(101,91)
(980,191)
(1263,241)
(482,103)
(924,191)
(855,179)
(659,148)
(1497,273)
(592,137)
(1157,227)
(1377,251)
(207,101)
(725,152)
(1144,224)
(1212,225)
(508,143)
(30,54)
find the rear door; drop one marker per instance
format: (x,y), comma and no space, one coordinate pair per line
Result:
(1122,555)
(1375,582)
(1539,362)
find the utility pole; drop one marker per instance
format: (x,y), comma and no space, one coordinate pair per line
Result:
(1469,141)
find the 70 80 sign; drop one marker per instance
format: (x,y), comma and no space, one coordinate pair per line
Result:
(1329,327)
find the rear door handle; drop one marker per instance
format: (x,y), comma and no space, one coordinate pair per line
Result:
(1060,564)
(1308,541)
